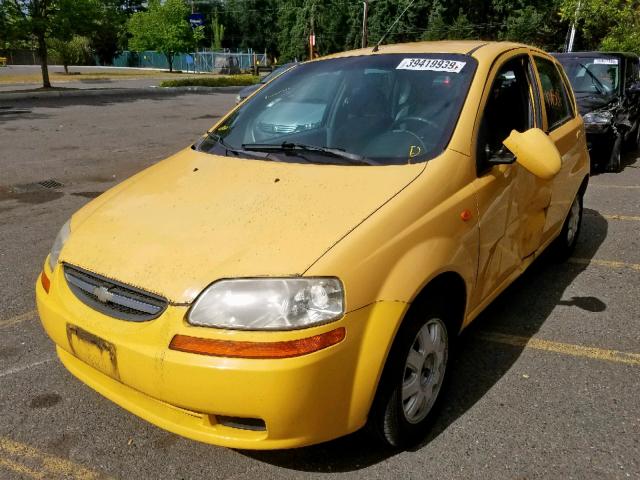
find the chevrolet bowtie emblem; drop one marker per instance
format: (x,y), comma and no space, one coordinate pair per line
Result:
(103,294)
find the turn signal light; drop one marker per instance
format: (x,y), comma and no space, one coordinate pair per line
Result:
(46,283)
(266,350)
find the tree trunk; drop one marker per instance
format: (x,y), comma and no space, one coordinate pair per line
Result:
(66,69)
(42,52)
(170,61)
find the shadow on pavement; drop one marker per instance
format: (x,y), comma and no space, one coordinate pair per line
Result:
(88,100)
(628,158)
(520,310)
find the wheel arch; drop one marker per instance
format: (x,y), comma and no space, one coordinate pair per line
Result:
(446,292)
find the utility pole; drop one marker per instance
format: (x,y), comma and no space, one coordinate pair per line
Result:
(572,34)
(312,36)
(193,7)
(365,30)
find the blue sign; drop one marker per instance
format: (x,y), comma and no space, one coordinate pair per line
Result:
(196,20)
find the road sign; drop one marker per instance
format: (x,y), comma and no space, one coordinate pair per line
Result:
(196,20)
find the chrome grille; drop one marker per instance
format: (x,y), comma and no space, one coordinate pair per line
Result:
(113,298)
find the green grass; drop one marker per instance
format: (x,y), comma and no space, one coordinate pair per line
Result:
(222,81)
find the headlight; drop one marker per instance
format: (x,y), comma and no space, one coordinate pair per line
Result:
(598,118)
(238,98)
(63,234)
(269,303)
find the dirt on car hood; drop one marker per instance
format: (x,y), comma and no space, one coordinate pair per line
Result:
(195,218)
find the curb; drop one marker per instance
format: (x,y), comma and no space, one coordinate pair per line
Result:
(116,92)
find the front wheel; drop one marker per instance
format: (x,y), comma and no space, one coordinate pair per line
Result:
(412,381)
(615,160)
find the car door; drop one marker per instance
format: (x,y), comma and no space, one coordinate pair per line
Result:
(630,97)
(512,202)
(565,128)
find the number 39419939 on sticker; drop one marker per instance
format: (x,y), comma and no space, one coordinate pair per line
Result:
(431,64)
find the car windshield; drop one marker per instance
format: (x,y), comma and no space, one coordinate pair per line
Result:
(597,75)
(369,110)
(275,73)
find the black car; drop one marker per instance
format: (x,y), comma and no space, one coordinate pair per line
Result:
(607,88)
(246,91)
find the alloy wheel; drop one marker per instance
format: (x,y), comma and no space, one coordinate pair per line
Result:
(424,370)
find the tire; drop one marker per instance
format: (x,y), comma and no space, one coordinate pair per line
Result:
(615,160)
(412,382)
(632,144)
(564,245)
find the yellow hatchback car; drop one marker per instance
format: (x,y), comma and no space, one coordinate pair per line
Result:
(303,269)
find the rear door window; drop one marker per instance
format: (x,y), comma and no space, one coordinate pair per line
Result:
(556,97)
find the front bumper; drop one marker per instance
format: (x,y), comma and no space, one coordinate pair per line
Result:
(302,400)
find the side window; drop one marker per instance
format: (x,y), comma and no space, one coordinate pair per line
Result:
(630,74)
(509,107)
(556,98)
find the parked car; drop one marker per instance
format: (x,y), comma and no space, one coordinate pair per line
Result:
(606,86)
(269,288)
(246,91)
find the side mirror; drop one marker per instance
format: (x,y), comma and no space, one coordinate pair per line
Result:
(634,88)
(535,151)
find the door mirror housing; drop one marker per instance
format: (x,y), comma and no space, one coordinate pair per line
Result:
(634,88)
(535,151)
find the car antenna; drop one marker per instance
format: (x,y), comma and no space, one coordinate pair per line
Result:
(375,49)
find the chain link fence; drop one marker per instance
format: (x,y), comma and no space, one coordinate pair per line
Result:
(205,61)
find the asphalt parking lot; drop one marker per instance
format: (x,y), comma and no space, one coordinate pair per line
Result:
(545,384)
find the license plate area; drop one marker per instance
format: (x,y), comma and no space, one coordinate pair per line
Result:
(93,350)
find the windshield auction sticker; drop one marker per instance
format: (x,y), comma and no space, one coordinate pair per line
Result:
(605,61)
(431,64)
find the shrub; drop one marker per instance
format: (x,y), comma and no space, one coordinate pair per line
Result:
(222,81)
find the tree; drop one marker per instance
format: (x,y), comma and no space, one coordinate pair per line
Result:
(437,28)
(165,28)
(250,23)
(527,25)
(110,34)
(74,51)
(607,24)
(52,19)
(217,33)
(461,28)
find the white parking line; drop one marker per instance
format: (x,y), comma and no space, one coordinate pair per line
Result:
(608,185)
(14,370)
(18,318)
(605,263)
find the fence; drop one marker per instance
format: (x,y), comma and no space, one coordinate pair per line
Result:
(205,61)
(21,57)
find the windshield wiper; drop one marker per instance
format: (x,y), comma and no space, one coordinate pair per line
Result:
(236,151)
(300,147)
(601,89)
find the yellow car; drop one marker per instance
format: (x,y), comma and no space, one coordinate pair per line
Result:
(302,270)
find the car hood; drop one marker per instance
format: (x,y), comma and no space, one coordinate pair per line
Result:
(195,218)
(589,102)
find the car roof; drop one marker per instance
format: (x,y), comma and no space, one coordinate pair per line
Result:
(481,50)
